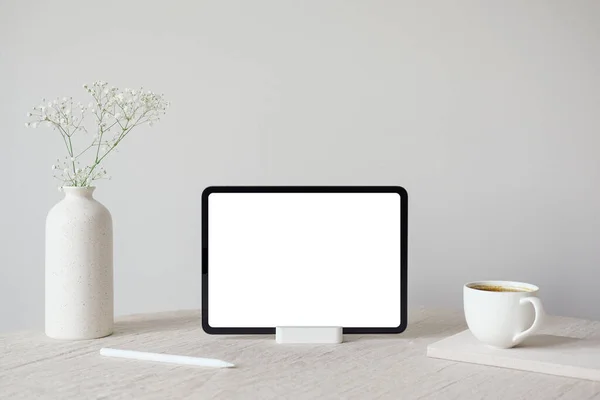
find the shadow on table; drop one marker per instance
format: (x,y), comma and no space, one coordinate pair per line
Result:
(434,328)
(541,341)
(160,323)
(423,329)
(248,337)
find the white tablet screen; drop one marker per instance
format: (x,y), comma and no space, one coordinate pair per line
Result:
(304,259)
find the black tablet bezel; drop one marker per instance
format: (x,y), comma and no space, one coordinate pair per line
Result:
(308,189)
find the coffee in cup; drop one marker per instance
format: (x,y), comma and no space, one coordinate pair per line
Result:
(502,313)
(499,288)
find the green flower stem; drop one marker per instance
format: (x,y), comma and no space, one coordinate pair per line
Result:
(72,158)
(126,130)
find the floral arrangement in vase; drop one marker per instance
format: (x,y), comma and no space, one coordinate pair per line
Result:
(115,114)
(79,230)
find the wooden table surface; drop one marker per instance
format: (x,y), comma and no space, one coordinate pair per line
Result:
(364,367)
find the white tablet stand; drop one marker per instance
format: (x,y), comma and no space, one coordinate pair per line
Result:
(309,334)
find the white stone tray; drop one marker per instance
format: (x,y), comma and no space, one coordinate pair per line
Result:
(547,354)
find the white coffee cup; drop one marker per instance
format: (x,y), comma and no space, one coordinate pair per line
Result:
(504,314)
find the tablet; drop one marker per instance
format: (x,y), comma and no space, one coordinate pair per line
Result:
(304,256)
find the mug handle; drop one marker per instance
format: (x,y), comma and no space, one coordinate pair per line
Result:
(537,322)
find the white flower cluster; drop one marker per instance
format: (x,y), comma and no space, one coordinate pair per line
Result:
(58,113)
(68,174)
(116,112)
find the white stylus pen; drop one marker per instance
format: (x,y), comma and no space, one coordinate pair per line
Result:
(165,358)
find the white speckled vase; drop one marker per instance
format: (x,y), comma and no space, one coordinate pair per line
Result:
(79,267)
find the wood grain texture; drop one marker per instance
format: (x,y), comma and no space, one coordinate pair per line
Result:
(364,367)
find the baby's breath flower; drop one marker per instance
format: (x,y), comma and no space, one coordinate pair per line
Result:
(136,107)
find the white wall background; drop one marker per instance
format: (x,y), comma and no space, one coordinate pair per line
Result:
(487,112)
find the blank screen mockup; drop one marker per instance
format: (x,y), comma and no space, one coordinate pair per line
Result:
(304,259)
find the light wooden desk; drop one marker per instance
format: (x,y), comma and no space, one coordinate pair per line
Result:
(364,367)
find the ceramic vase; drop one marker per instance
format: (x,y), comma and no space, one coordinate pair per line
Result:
(79,267)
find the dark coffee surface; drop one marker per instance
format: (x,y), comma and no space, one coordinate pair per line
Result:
(499,288)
